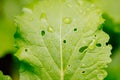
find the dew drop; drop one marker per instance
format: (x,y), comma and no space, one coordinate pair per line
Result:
(92,44)
(67,20)
(43,16)
(82,65)
(27,10)
(69,50)
(50,29)
(42,32)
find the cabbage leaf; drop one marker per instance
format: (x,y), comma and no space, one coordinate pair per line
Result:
(4,77)
(62,40)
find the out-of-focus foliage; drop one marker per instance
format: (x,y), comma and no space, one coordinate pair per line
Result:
(113,29)
(111,7)
(8,10)
(114,67)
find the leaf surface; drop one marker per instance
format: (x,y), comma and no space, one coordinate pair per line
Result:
(62,40)
(4,77)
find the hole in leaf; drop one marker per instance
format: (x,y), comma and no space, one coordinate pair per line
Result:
(107,44)
(42,32)
(83,48)
(75,29)
(64,41)
(98,45)
(83,71)
(95,35)
(69,65)
(26,50)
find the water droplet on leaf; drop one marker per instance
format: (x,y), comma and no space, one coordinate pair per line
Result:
(92,44)
(27,10)
(50,29)
(43,16)
(67,20)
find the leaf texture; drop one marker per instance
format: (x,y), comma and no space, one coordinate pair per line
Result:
(4,77)
(62,40)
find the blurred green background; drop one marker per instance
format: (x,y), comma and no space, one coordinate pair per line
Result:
(10,8)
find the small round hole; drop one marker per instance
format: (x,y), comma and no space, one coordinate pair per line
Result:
(83,71)
(107,44)
(75,29)
(95,35)
(69,65)
(42,32)
(64,41)
(26,50)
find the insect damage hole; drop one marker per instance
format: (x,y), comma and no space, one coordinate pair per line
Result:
(64,41)
(83,71)
(83,48)
(26,50)
(43,33)
(98,44)
(75,29)
(69,65)
(95,35)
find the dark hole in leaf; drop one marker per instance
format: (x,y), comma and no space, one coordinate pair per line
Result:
(42,32)
(26,50)
(83,48)
(98,44)
(95,35)
(83,71)
(69,65)
(75,29)
(107,44)
(64,41)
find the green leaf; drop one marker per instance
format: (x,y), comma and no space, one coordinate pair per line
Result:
(4,77)
(6,38)
(58,40)
(110,7)
(114,67)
